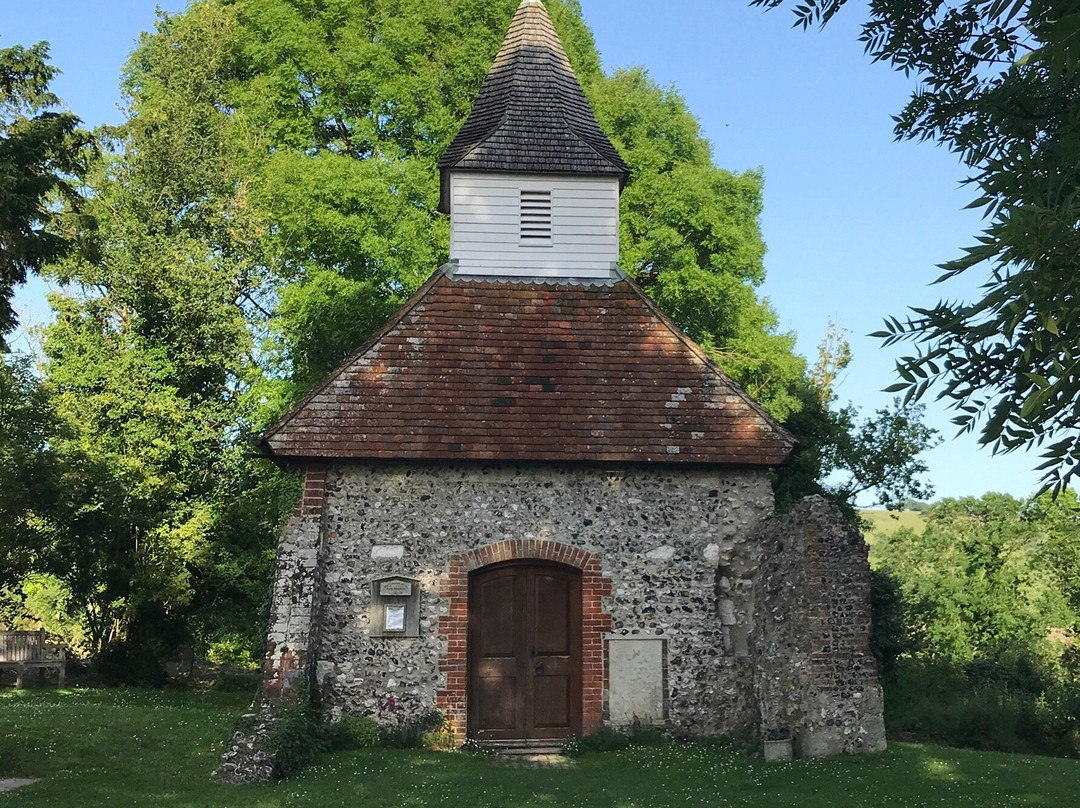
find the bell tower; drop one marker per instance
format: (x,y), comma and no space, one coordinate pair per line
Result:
(531,182)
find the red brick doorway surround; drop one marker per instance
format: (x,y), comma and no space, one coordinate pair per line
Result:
(595,622)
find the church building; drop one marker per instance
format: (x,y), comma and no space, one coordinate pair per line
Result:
(531,502)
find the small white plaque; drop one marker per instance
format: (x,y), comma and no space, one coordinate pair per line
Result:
(395,618)
(395,589)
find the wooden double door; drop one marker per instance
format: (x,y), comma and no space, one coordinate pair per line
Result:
(524,654)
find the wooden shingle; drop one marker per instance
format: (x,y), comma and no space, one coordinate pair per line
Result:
(531,114)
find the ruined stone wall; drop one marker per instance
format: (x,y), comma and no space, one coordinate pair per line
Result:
(293,631)
(814,673)
(662,535)
(297,587)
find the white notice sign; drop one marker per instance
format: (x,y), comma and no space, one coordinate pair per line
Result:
(395,618)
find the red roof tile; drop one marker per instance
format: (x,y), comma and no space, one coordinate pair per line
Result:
(503,371)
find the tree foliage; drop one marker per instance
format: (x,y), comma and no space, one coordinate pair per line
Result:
(991,580)
(999,85)
(151,364)
(28,469)
(356,103)
(41,154)
(834,356)
(845,457)
(882,453)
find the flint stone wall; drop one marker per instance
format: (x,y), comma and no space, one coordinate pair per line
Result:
(814,673)
(292,631)
(664,536)
(245,760)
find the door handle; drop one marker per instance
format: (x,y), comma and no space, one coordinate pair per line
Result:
(539,668)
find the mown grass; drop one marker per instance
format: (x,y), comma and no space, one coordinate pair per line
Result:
(137,748)
(885,522)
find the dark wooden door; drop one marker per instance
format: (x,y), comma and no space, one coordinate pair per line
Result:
(524,652)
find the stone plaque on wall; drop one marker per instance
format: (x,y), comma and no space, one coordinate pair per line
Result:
(395,608)
(395,588)
(635,680)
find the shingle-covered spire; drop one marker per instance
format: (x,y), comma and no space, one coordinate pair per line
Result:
(531,114)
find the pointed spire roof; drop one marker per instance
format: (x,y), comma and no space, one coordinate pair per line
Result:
(531,114)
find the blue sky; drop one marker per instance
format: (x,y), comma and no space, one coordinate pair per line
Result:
(855,222)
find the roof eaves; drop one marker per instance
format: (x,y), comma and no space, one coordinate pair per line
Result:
(698,351)
(623,172)
(263,440)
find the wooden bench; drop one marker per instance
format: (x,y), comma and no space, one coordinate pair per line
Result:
(26,651)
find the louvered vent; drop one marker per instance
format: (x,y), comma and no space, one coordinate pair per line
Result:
(536,217)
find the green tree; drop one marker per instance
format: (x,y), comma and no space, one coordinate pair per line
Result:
(152,363)
(41,155)
(881,454)
(845,457)
(360,101)
(1059,546)
(982,582)
(999,84)
(343,109)
(28,470)
(834,356)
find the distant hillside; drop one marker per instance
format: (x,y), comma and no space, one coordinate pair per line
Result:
(891,521)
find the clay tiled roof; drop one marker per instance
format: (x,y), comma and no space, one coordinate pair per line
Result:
(531,114)
(501,371)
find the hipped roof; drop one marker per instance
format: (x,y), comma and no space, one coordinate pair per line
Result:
(531,114)
(500,371)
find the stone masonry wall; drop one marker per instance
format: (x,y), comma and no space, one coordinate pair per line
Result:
(662,537)
(814,672)
(296,592)
(293,631)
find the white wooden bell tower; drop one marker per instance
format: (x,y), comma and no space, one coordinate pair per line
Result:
(531,182)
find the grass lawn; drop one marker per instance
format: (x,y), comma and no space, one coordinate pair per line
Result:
(122,748)
(885,522)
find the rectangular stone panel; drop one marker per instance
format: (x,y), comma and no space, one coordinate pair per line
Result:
(394,609)
(636,680)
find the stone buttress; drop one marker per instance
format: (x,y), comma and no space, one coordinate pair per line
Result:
(292,634)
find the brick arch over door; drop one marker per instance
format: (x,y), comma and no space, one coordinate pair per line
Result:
(595,622)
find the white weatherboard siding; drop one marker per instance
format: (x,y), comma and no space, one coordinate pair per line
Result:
(485,226)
